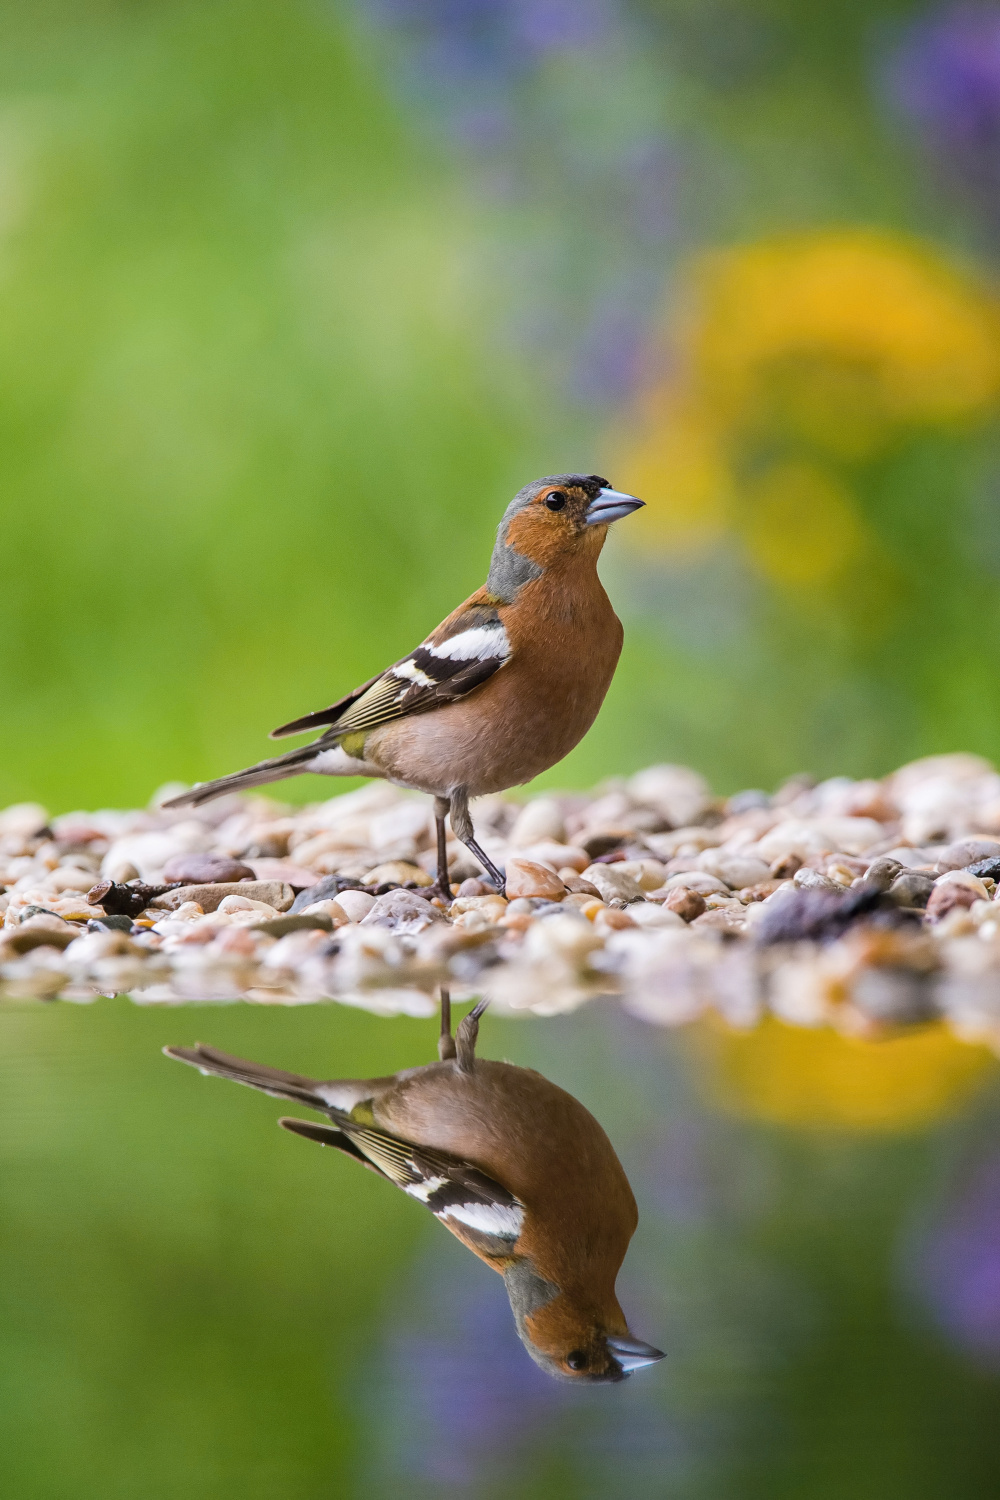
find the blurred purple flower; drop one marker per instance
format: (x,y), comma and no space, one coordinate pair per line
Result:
(958,1267)
(944,77)
(554,100)
(466,1401)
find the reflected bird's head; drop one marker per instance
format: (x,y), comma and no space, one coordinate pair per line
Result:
(569,1337)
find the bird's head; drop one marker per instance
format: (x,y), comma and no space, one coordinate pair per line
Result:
(568,1335)
(550,519)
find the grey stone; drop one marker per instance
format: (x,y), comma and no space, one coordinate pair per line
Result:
(403,911)
(911,888)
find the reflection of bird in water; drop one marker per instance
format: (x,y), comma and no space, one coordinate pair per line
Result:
(500,691)
(515,1167)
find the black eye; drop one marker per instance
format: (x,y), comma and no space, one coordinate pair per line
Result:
(577,1360)
(556,500)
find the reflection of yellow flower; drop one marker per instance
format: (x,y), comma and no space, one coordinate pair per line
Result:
(797,1076)
(795,360)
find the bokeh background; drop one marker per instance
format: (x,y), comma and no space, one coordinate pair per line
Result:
(292,299)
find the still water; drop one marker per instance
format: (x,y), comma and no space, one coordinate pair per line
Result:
(197,1303)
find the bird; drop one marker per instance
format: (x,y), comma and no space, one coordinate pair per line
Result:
(516,1168)
(500,691)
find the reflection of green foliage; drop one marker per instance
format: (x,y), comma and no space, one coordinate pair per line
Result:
(185,1296)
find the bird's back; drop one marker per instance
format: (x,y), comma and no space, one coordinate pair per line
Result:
(532,1137)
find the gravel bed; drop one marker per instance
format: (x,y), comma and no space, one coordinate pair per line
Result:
(868,905)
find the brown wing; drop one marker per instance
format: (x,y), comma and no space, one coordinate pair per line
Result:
(456,658)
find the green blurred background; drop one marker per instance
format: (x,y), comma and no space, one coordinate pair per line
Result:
(292,299)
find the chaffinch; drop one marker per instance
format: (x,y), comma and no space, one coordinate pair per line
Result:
(515,1167)
(500,691)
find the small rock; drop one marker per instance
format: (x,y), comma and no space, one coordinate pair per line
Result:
(303,921)
(577,884)
(736,870)
(398,872)
(610,919)
(204,869)
(604,841)
(329,888)
(539,819)
(548,852)
(292,874)
(645,914)
(272,893)
(471,888)
(403,911)
(698,880)
(967,879)
(687,903)
(882,872)
(986,869)
(966,852)
(354,904)
(812,880)
(723,919)
(785,866)
(760,891)
(649,874)
(911,888)
(679,794)
(613,883)
(526,878)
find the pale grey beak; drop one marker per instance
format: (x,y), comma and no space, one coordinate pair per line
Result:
(633,1354)
(610,505)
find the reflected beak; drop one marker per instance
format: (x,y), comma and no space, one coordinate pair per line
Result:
(633,1354)
(610,505)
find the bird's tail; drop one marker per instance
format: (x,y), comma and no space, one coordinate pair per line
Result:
(294,763)
(273,1081)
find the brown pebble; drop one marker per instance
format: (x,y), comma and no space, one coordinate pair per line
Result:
(579,886)
(474,888)
(945,898)
(785,866)
(687,904)
(527,878)
(759,892)
(205,869)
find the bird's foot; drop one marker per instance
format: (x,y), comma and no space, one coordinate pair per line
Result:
(465,1040)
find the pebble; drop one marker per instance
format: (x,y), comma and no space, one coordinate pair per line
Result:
(542,818)
(911,888)
(404,911)
(697,880)
(205,869)
(397,872)
(525,877)
(632,890)
(685,902)
(273,893)
(354,904)
(613,883)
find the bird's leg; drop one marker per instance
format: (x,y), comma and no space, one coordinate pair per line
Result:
(442,884)
(461,824)
(446,1042)
(468,1031)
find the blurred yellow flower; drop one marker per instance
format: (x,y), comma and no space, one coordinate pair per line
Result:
(801,525)
(793,361)
(796,1076)
(850,332)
